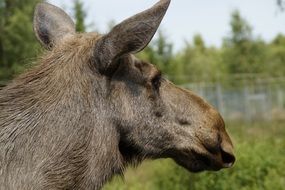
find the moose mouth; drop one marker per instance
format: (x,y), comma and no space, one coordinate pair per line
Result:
(197,162)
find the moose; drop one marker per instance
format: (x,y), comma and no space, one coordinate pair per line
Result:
(90,108)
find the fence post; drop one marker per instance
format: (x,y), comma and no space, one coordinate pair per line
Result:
(280,99)
(220,99)
(247,111)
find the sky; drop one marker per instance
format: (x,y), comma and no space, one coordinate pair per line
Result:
(185,18)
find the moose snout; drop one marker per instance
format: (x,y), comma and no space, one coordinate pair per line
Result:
(220,149)
(223,145)
(226,149)
(227,156)
(221,155)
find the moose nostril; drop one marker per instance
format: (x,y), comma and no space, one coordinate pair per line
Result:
(228,159)
(183,122)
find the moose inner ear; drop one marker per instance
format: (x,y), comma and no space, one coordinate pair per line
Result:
(51,24)
(130,36)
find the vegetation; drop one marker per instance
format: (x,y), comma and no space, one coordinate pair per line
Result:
(260,151)
(79,15)
(18,45)
(17,42)
(241,52)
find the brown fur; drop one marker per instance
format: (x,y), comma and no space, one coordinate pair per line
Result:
(82,115)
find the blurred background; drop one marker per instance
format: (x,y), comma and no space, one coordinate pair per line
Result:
(230,52)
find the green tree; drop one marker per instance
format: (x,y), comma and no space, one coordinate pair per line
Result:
(200,63)
(18,44)
(160,53)
(199,43)
(2,6)
(275,65)
(164,50)
(240,29)
(79,15)
(242,52)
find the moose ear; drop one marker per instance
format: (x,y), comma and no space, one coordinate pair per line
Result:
(132,35)
(51,24)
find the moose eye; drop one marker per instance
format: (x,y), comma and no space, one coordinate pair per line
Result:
(156,81)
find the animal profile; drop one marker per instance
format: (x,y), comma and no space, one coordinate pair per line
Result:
(90,108)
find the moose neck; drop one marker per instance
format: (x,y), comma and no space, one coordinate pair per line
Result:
(58,124)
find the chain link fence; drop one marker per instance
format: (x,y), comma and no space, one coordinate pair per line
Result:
(246,100)
(243,100)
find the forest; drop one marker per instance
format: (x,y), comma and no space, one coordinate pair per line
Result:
(241,54)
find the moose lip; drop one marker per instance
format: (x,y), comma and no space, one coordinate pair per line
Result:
(210,161)
(197,162)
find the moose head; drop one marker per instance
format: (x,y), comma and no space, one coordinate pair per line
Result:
(153,117)
(91,107)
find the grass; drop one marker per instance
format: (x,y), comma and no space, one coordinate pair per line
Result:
(260,165)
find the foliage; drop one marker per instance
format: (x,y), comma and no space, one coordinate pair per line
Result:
(260,151)
(79,15)
(276,57)
(18,44)
(160,53)
(242,53)
(199,62)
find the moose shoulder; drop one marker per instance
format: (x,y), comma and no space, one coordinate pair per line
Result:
(90,108)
